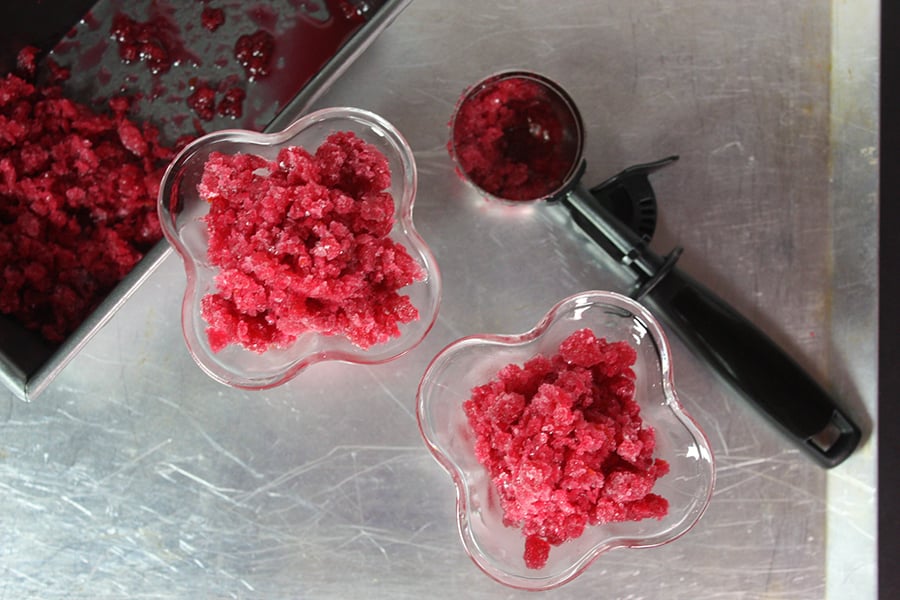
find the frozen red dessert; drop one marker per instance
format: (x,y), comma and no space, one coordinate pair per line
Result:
(155,42)
(509,139)
(203,101)
(77,202)
(303,244)
(254,52)
(564,443)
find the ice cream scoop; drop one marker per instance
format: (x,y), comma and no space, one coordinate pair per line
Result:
(518,137)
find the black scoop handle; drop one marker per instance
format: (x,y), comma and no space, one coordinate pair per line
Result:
(744,356)
(756,367)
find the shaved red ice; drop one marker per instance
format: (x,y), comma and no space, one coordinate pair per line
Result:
(302,244)
(77,202)
(254,52)
(565,445)
(509,140)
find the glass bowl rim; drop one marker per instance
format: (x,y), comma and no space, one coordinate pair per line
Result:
(409,237)
(525,338)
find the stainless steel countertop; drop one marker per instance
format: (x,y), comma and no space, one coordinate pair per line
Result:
(134,475)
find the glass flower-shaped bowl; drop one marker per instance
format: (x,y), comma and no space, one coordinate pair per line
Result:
(475,360)
(181,211)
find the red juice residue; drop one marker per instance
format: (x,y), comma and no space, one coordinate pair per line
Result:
(56,73)
(77,203)
(311,250)
(305,45)
(158,42)
(264,17)
(90,19)
(565,445)
(80,57)
(212,18)
(168,41)
(509,139)
(104,76)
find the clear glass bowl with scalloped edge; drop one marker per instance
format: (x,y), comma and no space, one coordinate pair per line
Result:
(181,211)
(471,361)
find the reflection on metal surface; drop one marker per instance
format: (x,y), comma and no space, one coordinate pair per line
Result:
(854,91)
(136,475)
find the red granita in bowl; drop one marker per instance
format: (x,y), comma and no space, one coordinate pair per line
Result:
(299,247)
(566,441)
(302,244)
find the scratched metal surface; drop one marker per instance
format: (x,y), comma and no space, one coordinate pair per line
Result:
(136,476)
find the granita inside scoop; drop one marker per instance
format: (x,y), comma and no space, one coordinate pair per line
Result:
(564,443)
(512,138)
(302,244)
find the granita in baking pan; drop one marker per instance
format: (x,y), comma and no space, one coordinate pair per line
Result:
(564,443)
(78,194)
(302,244)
